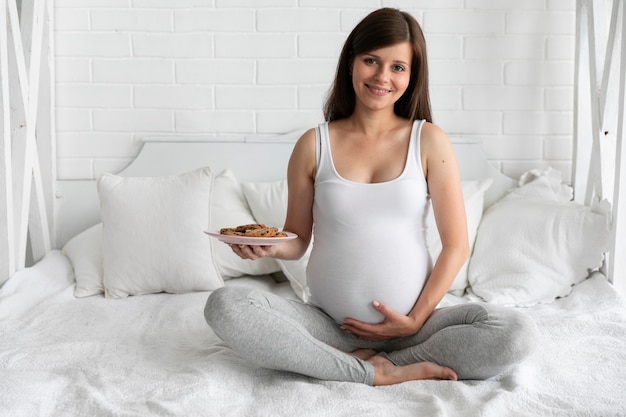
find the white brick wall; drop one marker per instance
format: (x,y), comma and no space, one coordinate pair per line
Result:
(501,71)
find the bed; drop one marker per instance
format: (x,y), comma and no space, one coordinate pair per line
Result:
(111,323)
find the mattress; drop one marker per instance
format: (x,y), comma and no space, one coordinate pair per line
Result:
(154,355)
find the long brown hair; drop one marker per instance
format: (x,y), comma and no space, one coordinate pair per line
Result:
(381,28)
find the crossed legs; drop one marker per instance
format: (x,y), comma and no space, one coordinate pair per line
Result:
(469,341)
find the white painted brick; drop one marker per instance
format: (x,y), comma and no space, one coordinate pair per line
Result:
(567,5)
(342,4)
(92,44)
(312,97)
(502,98)
(505,4)
(281,122)
(559,148)
(136,20)
(173,45)
(561,48)
(424,4)
(449,72)
(349,18)
(538,123)
(555,73)
(136,70)
(455,122)
(173,97)
(215,71)
(255,97)
(256,3)
(513,147)
(86,144)
(215,20)
(297,20)
(504,47)
(72,120)
(560,98)
(255,45)
(94,96)
(91,3)
(215,121)
(549,23)
(446,98)
(444,47)
(464,22)
(497,72)
(320,45)
(304,71)
(71,19)
(133,120)
(172,4)
(76,70)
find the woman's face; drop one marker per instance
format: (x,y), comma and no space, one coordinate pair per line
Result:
(380,77)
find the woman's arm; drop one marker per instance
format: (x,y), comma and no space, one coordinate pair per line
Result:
(300,180)
(444,185)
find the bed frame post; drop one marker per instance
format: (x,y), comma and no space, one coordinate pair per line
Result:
(28,150)
(599,117)
(617,263)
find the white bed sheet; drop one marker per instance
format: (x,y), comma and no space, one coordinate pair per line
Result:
(154,355)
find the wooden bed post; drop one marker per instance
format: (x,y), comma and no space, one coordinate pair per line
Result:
(617,260)
(28,146)
(599,116)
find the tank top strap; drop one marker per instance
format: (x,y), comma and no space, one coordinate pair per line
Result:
(322,147)
(414,153)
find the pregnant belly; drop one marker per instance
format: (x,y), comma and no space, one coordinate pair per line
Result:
(349,290)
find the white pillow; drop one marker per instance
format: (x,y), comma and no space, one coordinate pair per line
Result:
(473,197)
(534,244)
(85,253)
(268,203)
(229,209)
(152,236)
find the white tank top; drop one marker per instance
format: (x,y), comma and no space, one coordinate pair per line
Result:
(369,239)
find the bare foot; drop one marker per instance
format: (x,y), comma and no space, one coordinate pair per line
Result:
(386,373)
(364,354)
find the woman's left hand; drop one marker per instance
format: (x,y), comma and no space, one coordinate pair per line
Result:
(394,325)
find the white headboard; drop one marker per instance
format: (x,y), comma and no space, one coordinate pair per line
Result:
(78,205)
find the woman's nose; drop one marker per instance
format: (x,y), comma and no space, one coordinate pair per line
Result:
(382,74)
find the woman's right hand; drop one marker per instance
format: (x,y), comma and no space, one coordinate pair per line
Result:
(253,252)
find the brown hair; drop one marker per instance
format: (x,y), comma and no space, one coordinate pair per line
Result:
(381,28)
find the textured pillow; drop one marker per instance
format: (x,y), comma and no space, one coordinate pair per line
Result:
(229,209)
(268,203)
(535,243)
(473,196)
(152,235)
(85,253)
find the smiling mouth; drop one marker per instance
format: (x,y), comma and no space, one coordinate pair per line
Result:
(378,90)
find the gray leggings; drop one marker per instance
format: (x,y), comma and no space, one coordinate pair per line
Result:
(476,340)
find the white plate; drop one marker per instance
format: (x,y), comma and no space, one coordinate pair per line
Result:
(247,240)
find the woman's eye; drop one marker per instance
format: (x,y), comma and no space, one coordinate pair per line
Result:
(398,68)
(369,61)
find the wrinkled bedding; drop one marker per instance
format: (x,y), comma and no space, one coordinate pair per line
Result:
(154,355)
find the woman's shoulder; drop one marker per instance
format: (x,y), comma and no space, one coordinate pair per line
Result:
(433,136)
(434,142)
(304,150)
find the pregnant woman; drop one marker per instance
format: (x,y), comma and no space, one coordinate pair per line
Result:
(360,184)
